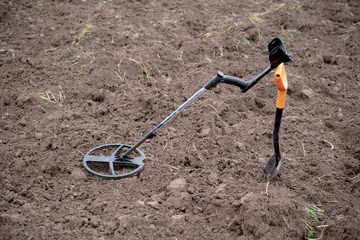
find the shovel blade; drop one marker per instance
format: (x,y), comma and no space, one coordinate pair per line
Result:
(271,168)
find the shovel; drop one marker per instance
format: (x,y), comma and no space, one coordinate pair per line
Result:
(273,165)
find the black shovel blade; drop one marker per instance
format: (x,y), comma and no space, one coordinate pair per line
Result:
(278,53)
(271,168)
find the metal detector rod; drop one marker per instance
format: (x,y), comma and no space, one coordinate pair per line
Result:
(152,133)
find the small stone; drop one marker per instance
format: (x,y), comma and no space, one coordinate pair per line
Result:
(22,122)
(250,131)
(241,146)
(197,210)
(153,204)
(78,174)
(339,115)
(205,132)
(340,217)
(228,130)
(220,188)
(18,153)
(185,196)
(39,135)
(175,202)
(178,185)
(244,198)
(124,221)
(136,35)
(261,160)
(168,80)
(212,178)
(177,217)
(27,206)
(72,32)
(141,203)
(171,129)
(308,93)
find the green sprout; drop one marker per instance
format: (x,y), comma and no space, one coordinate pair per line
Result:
(118,72)
(52,98)
(84,35)
(345,37)
(217,31)
(145,70)
(83,55)
(221,48)
(102,3)
(312,219)
(208,59)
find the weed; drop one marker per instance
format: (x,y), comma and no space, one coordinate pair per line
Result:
(208,59)
(146,72)
(254,18)
(221,48)
(312,219)
(118,73)
(293,32)
(260,34)
(84,55)
(202,105)
(345,37)
(76,60)
(84,35)
(154,43)
(244,40)
(179,58)
(102,3)
(217,31)
(51,97)
(165,20)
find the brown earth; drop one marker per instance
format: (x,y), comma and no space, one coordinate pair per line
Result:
(215,149)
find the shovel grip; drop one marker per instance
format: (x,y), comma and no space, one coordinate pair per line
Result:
(282,85)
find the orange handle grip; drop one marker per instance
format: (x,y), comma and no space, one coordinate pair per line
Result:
(282,85)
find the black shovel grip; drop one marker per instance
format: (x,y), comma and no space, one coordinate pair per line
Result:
(234,81)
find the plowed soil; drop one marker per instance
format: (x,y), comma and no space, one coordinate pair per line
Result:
(203,175)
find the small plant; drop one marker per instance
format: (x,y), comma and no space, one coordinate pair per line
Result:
(217,31)
(254,18)
(244,40)
(293,32)
(208,59)
(102,3)
(345,37)
(119,74)
(221,48)
(165,20)
(51,97)
(84,55)
(145,70)
(312,219)
(84,35)
(76,59)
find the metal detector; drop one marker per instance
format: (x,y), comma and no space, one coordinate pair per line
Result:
(117,158)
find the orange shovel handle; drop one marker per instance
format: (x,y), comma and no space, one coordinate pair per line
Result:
(282,85)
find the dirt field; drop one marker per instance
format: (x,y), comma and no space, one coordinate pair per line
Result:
(203,177)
